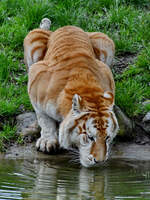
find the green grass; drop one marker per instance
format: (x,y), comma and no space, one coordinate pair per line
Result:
(133,86)
(6,135)
(127,22)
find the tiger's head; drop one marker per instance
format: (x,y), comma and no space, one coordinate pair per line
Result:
(91,130)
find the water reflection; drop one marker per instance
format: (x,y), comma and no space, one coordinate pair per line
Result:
(63,183)
(91,185)
(44,180)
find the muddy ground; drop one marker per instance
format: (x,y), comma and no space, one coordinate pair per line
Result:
(126,151)
(122,62)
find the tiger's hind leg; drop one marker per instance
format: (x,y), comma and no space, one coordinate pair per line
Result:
(48,142)
(35,43)
(103,47)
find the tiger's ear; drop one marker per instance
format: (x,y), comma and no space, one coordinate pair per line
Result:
(110,98)
(76,103)
(108,95)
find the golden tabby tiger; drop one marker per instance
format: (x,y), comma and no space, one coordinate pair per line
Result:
(69,83)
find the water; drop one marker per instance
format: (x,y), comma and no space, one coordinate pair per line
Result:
(50,179)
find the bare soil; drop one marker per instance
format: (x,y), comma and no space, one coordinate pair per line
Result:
(122,62)
(125,150)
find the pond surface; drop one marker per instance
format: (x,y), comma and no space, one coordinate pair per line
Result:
(50,179)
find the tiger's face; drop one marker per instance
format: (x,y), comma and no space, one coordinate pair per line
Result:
(96,136)
(91,132)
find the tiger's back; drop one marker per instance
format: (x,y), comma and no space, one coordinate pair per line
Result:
(70,65)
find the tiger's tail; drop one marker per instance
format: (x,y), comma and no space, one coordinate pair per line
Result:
(45,24)
(35,43)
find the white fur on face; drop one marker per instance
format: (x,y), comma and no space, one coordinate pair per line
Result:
(90,129)
(86,158)
(67,138)
(82,140)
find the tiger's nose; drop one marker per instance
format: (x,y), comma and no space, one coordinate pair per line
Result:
(91,158)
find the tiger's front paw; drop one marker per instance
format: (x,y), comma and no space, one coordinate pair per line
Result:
(47,144)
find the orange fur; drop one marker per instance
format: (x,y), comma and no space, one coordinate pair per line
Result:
(35,46)
(70,66)
(103,46)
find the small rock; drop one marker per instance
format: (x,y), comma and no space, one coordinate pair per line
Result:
(146,123)
(147,128)
(27,124)
(125,124)
(147,117)
(146,102)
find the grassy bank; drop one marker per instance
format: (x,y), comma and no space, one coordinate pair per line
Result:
(127,22)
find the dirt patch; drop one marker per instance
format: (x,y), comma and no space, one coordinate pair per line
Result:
(130,151)
(121,63)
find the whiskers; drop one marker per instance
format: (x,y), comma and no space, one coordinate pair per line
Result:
(74,153)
